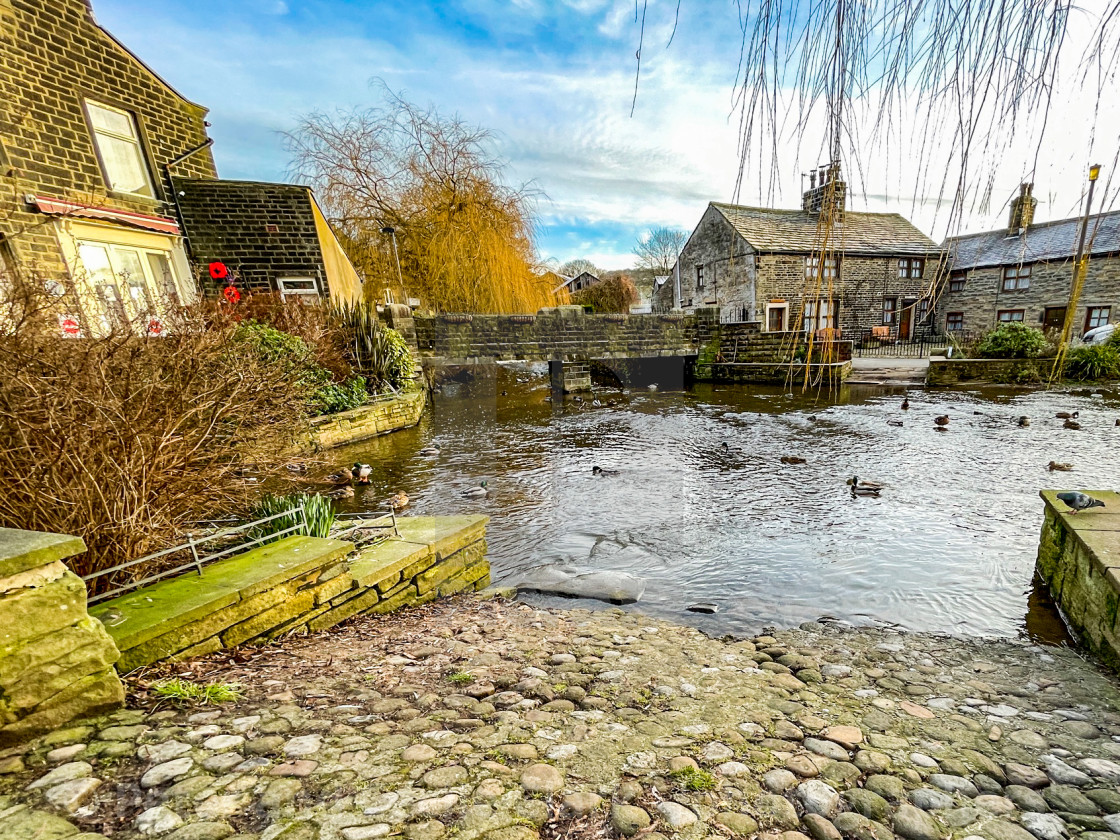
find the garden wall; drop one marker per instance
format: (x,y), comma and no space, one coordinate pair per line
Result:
(56,663)
(387,414)
(296,583)
(1079,558)
(948,372)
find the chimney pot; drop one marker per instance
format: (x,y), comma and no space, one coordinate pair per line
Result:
(1022,210)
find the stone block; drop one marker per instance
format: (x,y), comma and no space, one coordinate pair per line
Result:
(473,577)
(449,568)
(272,617)
(22,550)
(90,695)
(28,613)
(324,592)
(30,688)
(382,565)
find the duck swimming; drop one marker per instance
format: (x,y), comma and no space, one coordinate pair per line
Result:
(1066,415)
(1071,424)
(430,451)
(362,472)
(905,403)
(864,490)
(399,501)
(1058,466)
(1024,421)
(865,485)
(344,491)
(476,492)
(943,420)
(343,476)
(601,471)
(792,459)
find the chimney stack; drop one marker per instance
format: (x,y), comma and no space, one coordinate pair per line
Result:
(828,190)
(1022,210)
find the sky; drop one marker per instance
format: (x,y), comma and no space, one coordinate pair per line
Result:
(554,80)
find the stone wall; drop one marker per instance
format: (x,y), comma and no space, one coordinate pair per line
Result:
(52,55)
(297,583)
(260,231)
(944,373)
(761,373)
(983,297)
(56,663)
(1079,558)
(565,333)
(387,414)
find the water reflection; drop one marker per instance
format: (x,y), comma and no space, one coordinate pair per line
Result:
(948,547)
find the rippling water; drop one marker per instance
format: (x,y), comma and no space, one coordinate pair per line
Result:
(949,546)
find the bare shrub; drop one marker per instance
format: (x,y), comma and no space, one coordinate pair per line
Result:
(122,440)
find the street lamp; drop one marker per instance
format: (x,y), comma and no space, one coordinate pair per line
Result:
(392,231)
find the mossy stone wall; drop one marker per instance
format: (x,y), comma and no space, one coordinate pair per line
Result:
(387,414)
(945,373)
(56,663)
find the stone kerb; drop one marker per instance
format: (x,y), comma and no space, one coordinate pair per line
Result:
(1079,558)
(387,414)
(949,372)
(56,662)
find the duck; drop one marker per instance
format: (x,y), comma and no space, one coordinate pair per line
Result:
(476,492)
(1079,501)
(862,490)
(1071,424)
(1025,421)
(342,476)
(943,420)
(905,403)
(865,485)
(298,469)
(399,501)
(894,422)
(362,471)
(1067,415)
(1059,466)
(601,471)
(344,491)
(430,451)
(792,459)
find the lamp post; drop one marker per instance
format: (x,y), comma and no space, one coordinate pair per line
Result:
(392,231)
(1080,265)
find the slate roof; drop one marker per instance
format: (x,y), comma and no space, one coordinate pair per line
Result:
(795,232)
(1045,242)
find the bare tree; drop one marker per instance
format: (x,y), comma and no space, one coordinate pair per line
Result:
(658,248)
(465,239)
(573,268)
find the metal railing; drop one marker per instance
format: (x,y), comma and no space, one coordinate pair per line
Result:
(880,343)
(362,522)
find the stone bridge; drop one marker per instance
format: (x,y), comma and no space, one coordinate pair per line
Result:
(668,346)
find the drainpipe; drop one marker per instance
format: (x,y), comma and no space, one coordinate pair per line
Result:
(677,284)
(175,193)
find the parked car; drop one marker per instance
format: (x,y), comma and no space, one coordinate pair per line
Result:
(1098,335)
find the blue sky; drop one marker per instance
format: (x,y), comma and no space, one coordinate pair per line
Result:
(552,78)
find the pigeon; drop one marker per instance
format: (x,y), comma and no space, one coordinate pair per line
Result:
(1079,501)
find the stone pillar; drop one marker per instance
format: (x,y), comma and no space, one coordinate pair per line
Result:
(569,377)
(56,661)
(399,317)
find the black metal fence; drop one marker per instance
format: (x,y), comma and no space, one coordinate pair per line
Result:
(887,344)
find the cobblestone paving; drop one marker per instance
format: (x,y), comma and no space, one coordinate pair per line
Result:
(489,719)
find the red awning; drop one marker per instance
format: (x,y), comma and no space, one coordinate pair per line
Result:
(58,207)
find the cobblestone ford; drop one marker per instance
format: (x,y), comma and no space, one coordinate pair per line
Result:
(490,719)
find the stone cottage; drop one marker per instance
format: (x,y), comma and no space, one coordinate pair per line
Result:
(774,267)
(92,145)
(1023,273)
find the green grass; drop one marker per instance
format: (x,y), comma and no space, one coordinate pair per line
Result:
(460,678)
(691,779)
(185,691)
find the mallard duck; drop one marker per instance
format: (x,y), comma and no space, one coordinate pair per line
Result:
(601,471)
(1067,415)
(1079,501)
(865,485)
(1071,424)
(905,403)
(861,490)
(894,423)
(362,472)
(1058,466)
(399,501)
(343,492)
(343,476)
(792,459)
(430,451)
(943,420)
(476,492)
(1024,421)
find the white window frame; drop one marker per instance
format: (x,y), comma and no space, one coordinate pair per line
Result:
(784,307)
(133,139)
(819,314)
(287,289)
(813,266)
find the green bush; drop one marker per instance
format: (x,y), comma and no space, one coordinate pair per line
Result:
(293,355)
(1012,341)
(1093,362)
(319,511)
(378,353)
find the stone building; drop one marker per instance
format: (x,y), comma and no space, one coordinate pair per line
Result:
(768,266)
(1023,273)
(90,140)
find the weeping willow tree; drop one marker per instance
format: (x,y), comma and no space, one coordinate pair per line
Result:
(421,207)
(951,93)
